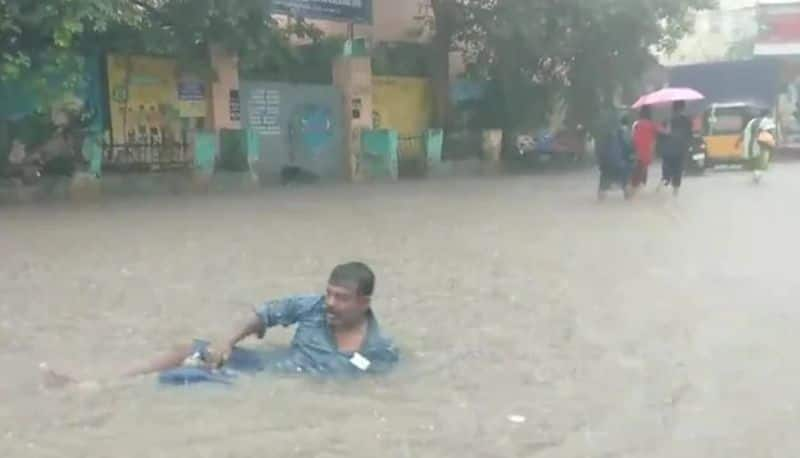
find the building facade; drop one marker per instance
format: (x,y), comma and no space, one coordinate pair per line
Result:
(719,34)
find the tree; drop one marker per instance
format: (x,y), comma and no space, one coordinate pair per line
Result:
(39,38)
(310,63)
(185,29)
(446,21)
(38,62)
(44,42)
(614,41)
(48,37)
(742,49)
(582,52)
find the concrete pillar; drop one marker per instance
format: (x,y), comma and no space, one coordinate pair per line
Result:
(352,75)
(492,149)
(206,147)
(226,85)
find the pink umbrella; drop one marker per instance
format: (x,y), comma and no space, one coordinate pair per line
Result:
(668,95)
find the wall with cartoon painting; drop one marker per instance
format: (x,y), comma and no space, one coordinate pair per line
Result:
(300,126)
(152,108)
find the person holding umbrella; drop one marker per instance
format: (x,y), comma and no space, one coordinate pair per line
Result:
(677,147)
(677,141)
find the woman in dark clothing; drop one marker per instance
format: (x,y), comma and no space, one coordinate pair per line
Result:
(615,157)
(676,148)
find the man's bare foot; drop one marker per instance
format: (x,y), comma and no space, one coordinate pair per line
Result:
(52,379)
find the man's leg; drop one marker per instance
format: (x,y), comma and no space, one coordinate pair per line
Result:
(760,165)
(756,166)
(605,183)
(636,176)
(677,175)
(645,173)
(642,170)
(665,172)
(624,177)
(171,360)
(175,358)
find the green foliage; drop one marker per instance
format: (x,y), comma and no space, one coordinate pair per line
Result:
(400,59)
(43,40)
(40,37)
(582,52)
(185,29)
(311,63)
(742,49)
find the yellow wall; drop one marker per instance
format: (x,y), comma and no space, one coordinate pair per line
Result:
(150,99)
(143,97)
(402,104)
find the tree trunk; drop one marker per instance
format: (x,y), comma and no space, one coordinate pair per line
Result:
(5,142)
(444,12)
(510,120)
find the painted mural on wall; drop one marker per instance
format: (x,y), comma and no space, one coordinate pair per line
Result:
(150,105)
(311,129)
(300,126)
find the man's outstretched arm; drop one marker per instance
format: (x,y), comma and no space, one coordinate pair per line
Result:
(283,312)
(255,326)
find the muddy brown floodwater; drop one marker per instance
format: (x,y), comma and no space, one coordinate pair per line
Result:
(657,328)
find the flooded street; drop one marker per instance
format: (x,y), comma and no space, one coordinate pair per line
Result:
(657,328)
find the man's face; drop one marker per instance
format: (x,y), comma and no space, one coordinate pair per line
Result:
(344,306)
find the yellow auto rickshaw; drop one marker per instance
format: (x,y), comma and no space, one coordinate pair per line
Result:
(722,128)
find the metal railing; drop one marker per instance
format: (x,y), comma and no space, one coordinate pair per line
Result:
(462,144)
(409,148)
(147,156)
(411,156)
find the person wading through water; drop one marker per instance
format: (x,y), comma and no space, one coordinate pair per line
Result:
(759,140)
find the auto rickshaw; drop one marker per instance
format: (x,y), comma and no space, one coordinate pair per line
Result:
(723,125)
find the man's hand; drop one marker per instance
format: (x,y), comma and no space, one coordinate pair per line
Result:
(218,354)
(221,352)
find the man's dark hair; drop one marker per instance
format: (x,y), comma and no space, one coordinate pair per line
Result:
(646,113)
(680,105)
(354,273)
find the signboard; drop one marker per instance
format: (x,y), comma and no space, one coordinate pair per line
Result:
(355,11)
(191,91)
(192,98)
(263,111)
(779,29)
(234,105)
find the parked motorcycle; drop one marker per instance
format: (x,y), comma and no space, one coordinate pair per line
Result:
(547,146)
(696,159)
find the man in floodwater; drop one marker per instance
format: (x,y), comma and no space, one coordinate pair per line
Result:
(337,335)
